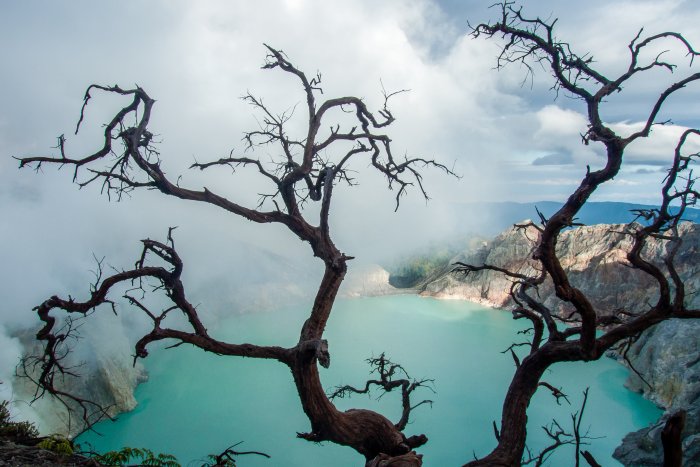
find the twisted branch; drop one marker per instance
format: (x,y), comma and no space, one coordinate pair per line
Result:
(387,372)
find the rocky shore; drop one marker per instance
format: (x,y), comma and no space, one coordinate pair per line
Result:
(667,356)
(108,377)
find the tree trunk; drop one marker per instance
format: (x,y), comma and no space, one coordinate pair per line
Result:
(672,441)
(511,443)
(407,460)
(368,432)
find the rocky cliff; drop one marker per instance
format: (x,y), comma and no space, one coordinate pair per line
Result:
(107,376)
(667,356)
(594,257)
(103,357)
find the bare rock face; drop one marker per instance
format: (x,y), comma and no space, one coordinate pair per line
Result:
(14,455)
(511,249)
(107,376)
(668,356)
(594,257)
(103,357)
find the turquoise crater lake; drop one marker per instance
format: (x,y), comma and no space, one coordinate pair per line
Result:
(197,403)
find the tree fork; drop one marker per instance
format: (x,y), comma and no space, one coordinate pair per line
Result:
(529,42)
(306,171)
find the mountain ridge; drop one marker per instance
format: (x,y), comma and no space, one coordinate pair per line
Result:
(498,216)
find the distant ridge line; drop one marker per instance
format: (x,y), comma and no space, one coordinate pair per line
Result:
(498,216)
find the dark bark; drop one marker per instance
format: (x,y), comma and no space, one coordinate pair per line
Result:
(128,161)
(302,175)
(391,376)
(672,441)
(532,41)
(369,433)
(406,460)
(512,436)
(590,459)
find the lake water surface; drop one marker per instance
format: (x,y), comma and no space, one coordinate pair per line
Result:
(197,403)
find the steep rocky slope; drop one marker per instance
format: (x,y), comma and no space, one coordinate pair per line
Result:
(668,356)
(15,455)
(108,378)
(103,356)
(594,256)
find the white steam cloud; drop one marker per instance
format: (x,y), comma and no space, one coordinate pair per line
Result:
(198,58)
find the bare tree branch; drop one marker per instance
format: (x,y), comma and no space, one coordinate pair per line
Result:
(305,169)
(532,42)
(387,372)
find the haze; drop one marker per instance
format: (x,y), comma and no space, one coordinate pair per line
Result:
(507,135)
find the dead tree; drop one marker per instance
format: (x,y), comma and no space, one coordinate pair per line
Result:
(308,170)
(559,437)
(588,334)
(387,372)
(672,441)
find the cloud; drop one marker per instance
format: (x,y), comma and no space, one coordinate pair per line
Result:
(554,120)
(603,30)
(556,132)
(11,352)
(554,159)
(197,58)
(555,182)
(623,182)
(657,149)
(646,171)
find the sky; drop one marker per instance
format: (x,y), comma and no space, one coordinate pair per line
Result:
(508,136)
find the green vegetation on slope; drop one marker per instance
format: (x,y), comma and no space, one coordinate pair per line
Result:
(413,268)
